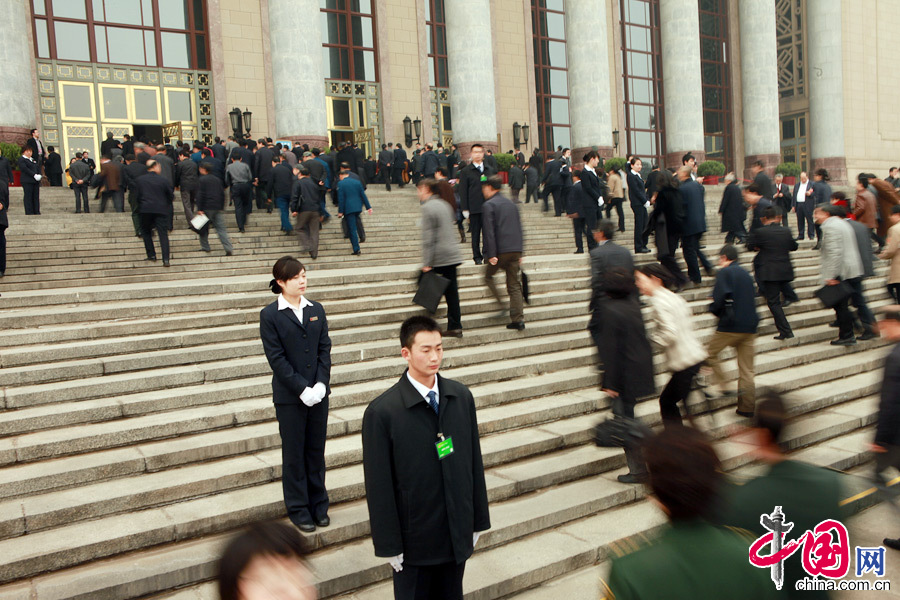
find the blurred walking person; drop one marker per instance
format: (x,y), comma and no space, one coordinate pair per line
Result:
(503,248)
(440,249)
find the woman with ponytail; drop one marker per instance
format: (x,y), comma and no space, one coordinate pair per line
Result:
(294,332)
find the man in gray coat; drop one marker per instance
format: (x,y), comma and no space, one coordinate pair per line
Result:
(864,243)
(840,262)
(503,245)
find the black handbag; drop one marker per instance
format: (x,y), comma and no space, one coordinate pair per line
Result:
(431,288)
(620,432)
(524,287)
(832,295)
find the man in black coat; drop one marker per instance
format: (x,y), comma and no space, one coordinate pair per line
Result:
(347,155)
(218,149)
(803,206)
(516,181)
(211,203)
(281,184)
(583,212)
(399,164)
(155,197)
(131,172)
(187,176)
(782,198)
(553,184)
(425,485)
(520,157)
(490,161)
(471,198)
(360,155)
(385,160)
(262,172)
(733,211)
(532,183)
(762,181)
(38,151)
(430,161)
(637,195)
(53,167)
(6,176)
(694,225)
(772,266)
(758,204)
(31,181)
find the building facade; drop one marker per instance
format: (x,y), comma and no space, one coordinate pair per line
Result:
(736,81)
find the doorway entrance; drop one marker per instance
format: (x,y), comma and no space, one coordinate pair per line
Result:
(151,132)
(338,137)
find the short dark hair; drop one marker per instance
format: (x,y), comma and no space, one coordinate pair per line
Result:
(206,166)
(443,171)
(133,157)
(770,414)
(685,473)
(772,212)
(656,269)
(608,228)
(759,163)
(841,196)
(838,211)
(285,269)
(32,131)
(271,539)
(687,157)
(729,252)
(412,326)
(494,181)
(754,189)
(823,173)
(591,155)
(51,149)
(476,146)
(634,159)
(864,179)
(619,283)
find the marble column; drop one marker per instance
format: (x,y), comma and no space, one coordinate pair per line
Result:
(588,71)
(297,72)
(470,62)
(826,89)
(759,79)
(17,94)
(680,37)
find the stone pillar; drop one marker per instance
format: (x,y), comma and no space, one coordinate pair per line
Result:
(826,89)
(297,72)
(470,61)
(759,77)
(17,95)
(588,66)
(680,37)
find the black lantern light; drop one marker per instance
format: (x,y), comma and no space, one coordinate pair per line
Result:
(525,130)
(417,125)
(616,139)
(236,124)
(247,116)
(408,126)
(517,134)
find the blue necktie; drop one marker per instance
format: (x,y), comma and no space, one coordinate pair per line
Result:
(432,401)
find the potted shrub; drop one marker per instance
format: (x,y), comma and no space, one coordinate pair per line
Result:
(711,171)
(504,162)
(790,170)
(12,152)
(617,161)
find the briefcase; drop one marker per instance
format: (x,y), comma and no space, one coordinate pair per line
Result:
(431,288)
(832,295)
(524,286)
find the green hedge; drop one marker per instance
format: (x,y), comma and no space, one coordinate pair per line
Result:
(504,161)
(617,161)
(788,169)
(12,152)
(711,168)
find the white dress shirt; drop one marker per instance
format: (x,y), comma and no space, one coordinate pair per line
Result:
(298,310)
(801,192)
(424,390)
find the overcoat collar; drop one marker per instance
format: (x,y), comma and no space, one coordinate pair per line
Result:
(411,397)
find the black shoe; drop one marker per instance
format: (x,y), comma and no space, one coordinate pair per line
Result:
(205,249)
(844,342)
(632,478)
(798,239)
(579,252)
(744,413)
(323,522)
(786,303)
(241,230)
(151,258)
(781,336)
(456,333)
(518,325)
(869,335)
(644,251)
(894,544)
(817,246)
(479,262)
(166,263)
(834,324)
(229,253)
(2,274)
(709,271)
(357,253)
(305,526)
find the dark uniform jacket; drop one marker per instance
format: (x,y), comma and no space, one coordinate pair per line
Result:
(470,196)
(502,227)
(430,163)
(636,192)
(553,173)
(624,348)
(774,244)
(734,300)
(784,201)
(154,194)
(694,207)
(604,257)
(757,213)
(863,241)
(821,193)
(210,193)
(131,172)
(299,353)
(281,181)
(29,168)
(262,164)
(351,196)
(532,177)
(316,169)
(386,157)
(305,196)
(347,155)
(53,165)
(766,187)
(516,177)
(887,431)
(186,175)
(6,176)
(593,186)
(419,506)
(732,208)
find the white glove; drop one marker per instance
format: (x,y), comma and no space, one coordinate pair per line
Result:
(309,397)
(646,204)
(600,201)
(319,390)
(465,214)
(37,176)
(397,563)
(475,537)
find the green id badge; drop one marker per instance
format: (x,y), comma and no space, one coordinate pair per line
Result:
(444,448)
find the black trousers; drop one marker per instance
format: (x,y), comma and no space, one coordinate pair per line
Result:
(556,192)
(617,204)
(55,179)
(117,198)
(690,247)
(3,247)
(668,259)
(243,203)
(677,390)
(805,221)
(844,319)
(640,223)
(429,582)
(32,198)
(582,226)
(302,430)
(531,191)
(475,231)
(451,295)
(772,291)
(262,196)
(858,300)
(81,197)
(149,222)
(397,174)
(740,235)
(385,172)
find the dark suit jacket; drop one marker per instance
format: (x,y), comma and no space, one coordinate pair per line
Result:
(386,157)
(552,174)
(766,187)
(821,193)
(29,168)
(757,212)
(262,164)
(734,287)
(887,431)
(299,353)
(470,196)
(732,208)
(53,165)
(604,257)
(430,163)
(651,186)
(502,227)
(305,196)
(37,156)
(351,196)
(154,194)
(419,506)
(281,181)
(624,349)
(186,175)
(864,241)
(347,155)
(592,186)
(774,244)
(636,192)
(516,177)
(491,161)
(218,151)
(210,193)
(132,172)
(694,207)
(783,201)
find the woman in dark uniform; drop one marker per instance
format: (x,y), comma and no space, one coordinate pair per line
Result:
(294,334)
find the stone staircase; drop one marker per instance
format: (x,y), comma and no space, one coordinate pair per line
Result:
(138,431)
